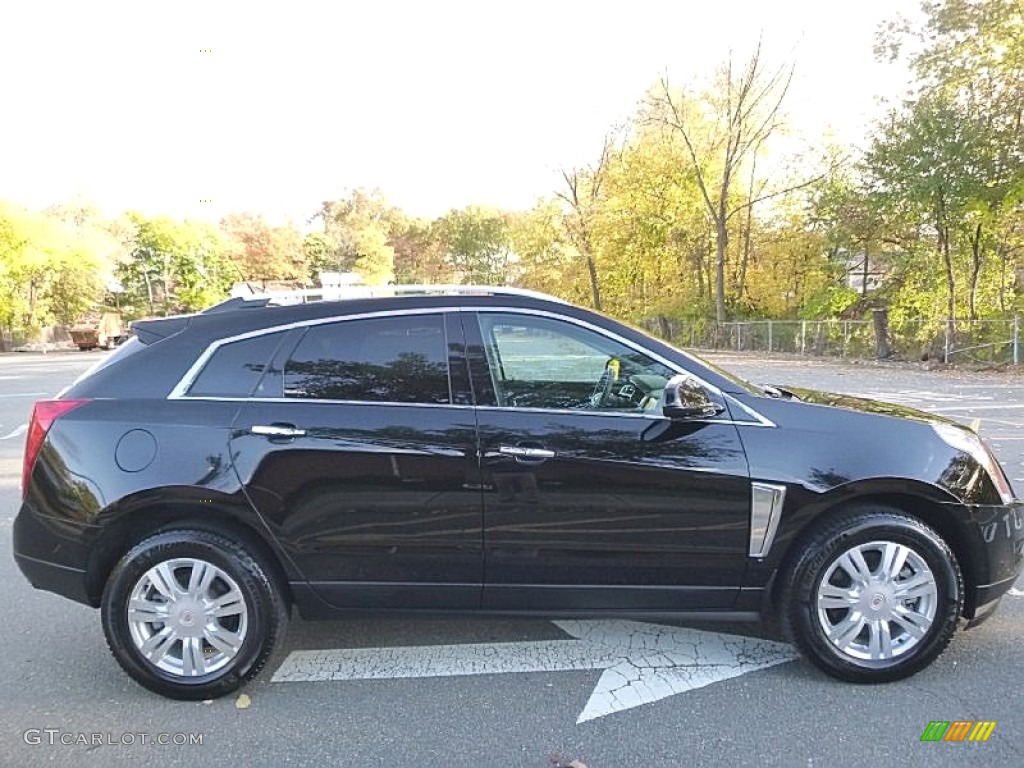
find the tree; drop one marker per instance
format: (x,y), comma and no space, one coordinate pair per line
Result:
(546,260)
(477,245)
(651,233)
(175,266)
(48,272)
(84,274)
(949,162)
(582,195)
(419,253)
(201,272)
(792,271)
(971,50)
(319,254)
(358,229)
(262,252)
(23,260)
(374,257)
(108,240)
(73,285)
(723,130)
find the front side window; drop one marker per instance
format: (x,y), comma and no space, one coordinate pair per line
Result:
(386,359)
(540,362)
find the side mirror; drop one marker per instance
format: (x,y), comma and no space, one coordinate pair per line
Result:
(685,398)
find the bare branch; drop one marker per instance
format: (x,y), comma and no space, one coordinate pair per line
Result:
(679,125)
(777,193)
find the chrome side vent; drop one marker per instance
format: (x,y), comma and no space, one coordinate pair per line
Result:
(765,509)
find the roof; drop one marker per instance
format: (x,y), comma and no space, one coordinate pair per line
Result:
(355,293)
(242,314)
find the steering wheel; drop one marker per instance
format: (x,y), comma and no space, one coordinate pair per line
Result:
(603,388)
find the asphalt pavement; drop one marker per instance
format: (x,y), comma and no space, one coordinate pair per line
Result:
(58,683)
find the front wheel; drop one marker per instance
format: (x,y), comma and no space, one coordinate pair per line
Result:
(192,615)
(873,596)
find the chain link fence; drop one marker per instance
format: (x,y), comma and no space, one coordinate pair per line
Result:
(981,341)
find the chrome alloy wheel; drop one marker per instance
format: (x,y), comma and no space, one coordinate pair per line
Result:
(187,617)
(877,601)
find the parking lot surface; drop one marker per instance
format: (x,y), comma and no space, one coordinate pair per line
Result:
(513,692)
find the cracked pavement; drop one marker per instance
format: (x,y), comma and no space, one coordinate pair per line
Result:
(643,662)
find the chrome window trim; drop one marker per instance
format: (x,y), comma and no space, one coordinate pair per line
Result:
(319,401)
(766,500)
(761,421)
(653,417)
(180,390)
(649,415)
(603,332)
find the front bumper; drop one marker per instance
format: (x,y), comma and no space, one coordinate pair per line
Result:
(999,558)
(987,600)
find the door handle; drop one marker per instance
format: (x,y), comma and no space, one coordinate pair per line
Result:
(525,454)
(277,430)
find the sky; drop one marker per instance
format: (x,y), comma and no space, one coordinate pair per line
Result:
(195,109)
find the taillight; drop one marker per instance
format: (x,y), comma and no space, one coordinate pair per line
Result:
(44,414)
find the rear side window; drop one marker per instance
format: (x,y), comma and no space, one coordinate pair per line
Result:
(235,368)
(387,359)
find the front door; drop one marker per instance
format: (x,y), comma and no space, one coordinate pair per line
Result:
(360,452)
(593,499)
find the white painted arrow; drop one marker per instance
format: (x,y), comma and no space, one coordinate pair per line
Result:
(642,662)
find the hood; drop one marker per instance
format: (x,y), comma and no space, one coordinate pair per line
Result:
(861,404)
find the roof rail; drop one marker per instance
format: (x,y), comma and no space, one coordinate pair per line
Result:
(348,292)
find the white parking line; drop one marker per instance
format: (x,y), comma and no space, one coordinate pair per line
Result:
(1003,422)
(1003,407)
(19,431)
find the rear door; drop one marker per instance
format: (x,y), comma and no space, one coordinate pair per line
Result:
(360,452)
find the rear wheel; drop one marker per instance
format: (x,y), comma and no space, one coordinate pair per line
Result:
(191,614)
(873,596)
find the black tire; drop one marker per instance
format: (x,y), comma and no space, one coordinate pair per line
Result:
(254,617)
(919,623)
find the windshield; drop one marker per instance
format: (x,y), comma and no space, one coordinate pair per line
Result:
(743,384)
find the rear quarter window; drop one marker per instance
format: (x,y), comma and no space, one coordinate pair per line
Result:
(235,368)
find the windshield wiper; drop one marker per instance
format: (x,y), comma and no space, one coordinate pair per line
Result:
(778,392)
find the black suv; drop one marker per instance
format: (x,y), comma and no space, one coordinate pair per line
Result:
(488,449)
